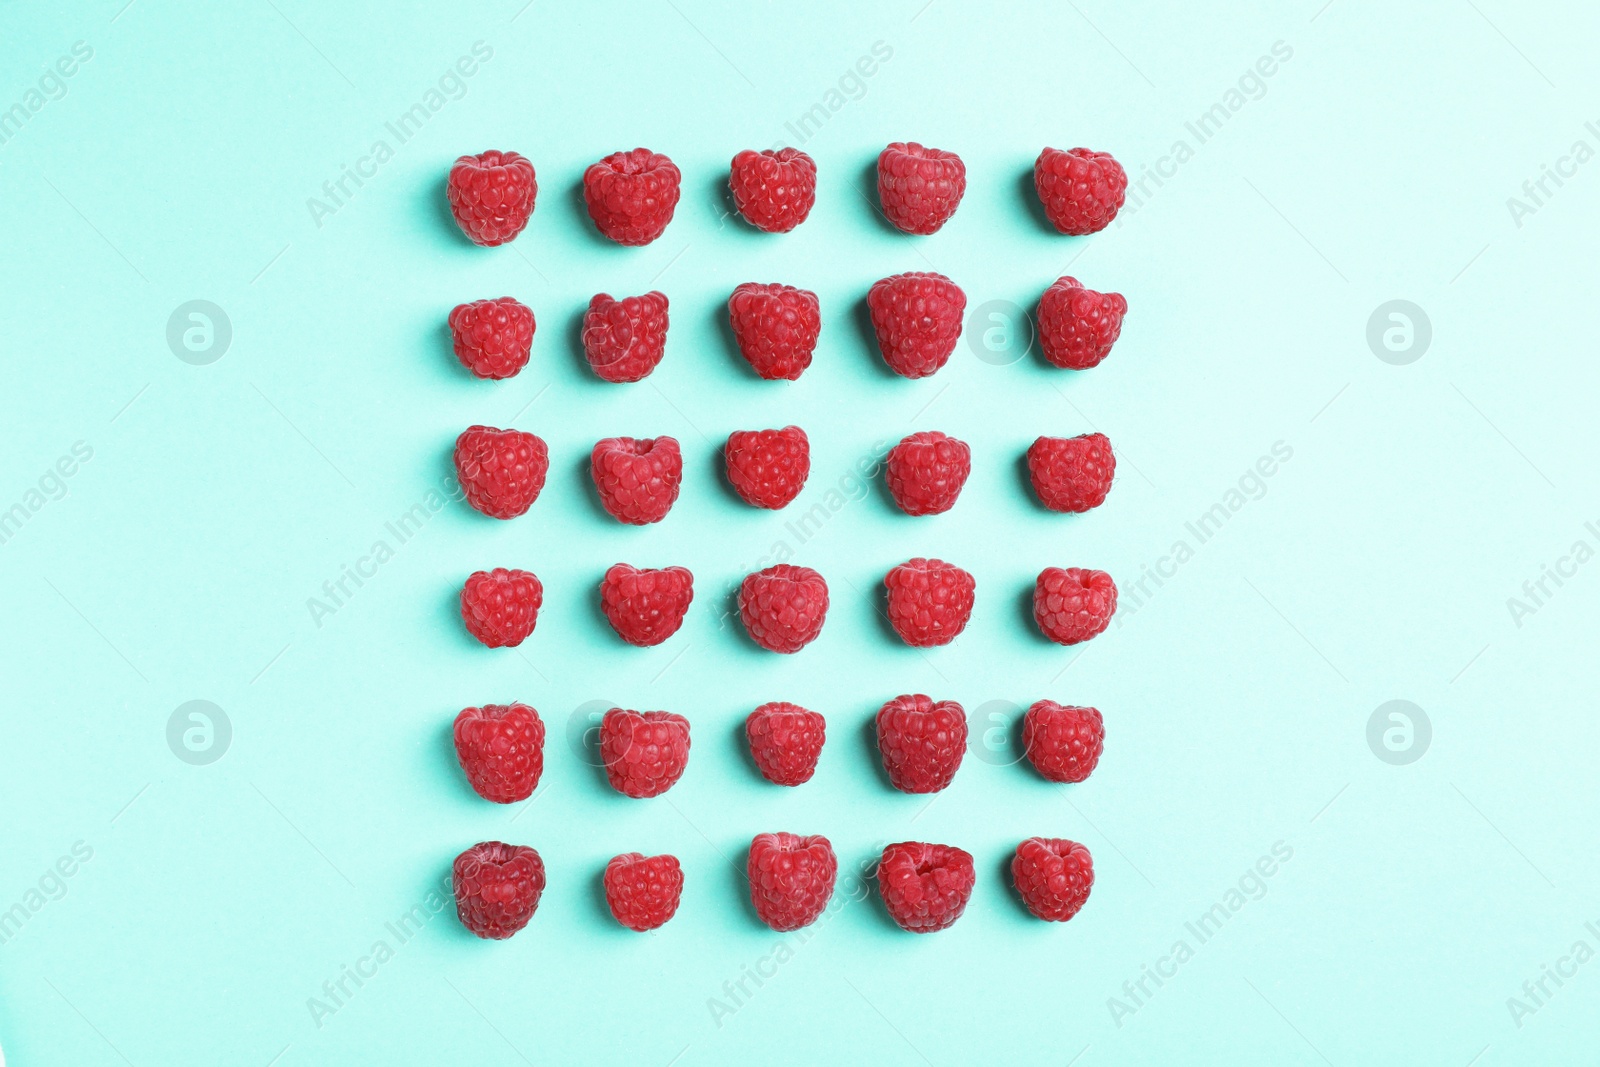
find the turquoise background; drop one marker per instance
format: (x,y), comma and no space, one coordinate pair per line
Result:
(1374,564)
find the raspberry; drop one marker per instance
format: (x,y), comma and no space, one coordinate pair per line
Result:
(917,318)
(919,188)
(642,891)
(501,747)
(930,601)
(785,741)
(623,340)
(1061,741)
(775,327)
(921,742)
(1081,190)
(768,468)
(1053,876)
(491,195)
(501,471)
(637,479)
(646,607)
(774,191)
(1078,326)
(631,195)
(925,472)
(501,607)
(1073,605)
(644,752)
(925,887)
(492,338)
(791,878)
(783,607)
(1072,473)
(497,888)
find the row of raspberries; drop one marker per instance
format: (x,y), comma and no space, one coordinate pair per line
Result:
(924,887)
(916,318)
(921,742)
(784,606)
(631,196)
(502,472)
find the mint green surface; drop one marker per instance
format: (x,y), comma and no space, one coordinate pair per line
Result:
(210,909)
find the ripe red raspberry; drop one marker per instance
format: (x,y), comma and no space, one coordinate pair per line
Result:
(642,891)
(646,607)
(921,742)
(791,878)
(1072,473)
(1078,326)
(497,888)
(1053,876)
(491,195)
(917,318)
(919,188)
(1081,190)
(645,752)
(492,338)
(1074,604)
(623,340)
(925,472)
(501,471)
(768,468)
(783,607)
(775,327)
(1063,742)
(501,747)
(637,480)
(631,195)
(785,741)
(925,887)
(774,191)
(930,601)
(500,607)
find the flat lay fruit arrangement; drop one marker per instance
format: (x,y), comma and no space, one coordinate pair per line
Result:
(916,319)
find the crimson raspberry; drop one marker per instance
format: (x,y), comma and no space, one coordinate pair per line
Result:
(1074,604)
(785,741)
(645,752)
(775,327)
(925,887)
(492,338)
(791,878)
(783,607)
(768,468)
(1078,326)
(930,601)
(497,888)
(917,319)
(500,607)
(774,191)
(631,195)
(642,891)
(1072,473)
(637,480)
(919,188)
(501,471)
(1081,190)
(1053,876)
(925,472)
(1063,742)
(921,742)
(623,340)
(646,607)
(491,195)
(501,747)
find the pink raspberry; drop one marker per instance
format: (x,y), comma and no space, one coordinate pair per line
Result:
(768,468)
(774,191)
(492,338)
(637,480)
(1074,604)
(1078,326)
(497,888)
(1063,742)
(491,196)
(925,472)
(783,607)
(919,188)
(791,878)
(501,607)
(1072,473)
(623,340)
(631,195)
(925,887)
(917,319)
(644,752)
(785,741)
(921,742)
(775,327)
(930,601)
(501,747)
(642,891)
(646,607)
(501,471)
(1053,876)
(1081,191)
